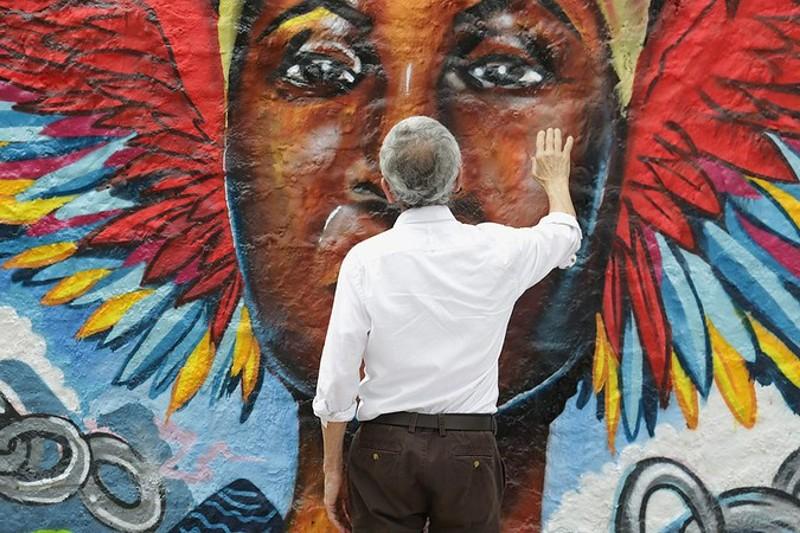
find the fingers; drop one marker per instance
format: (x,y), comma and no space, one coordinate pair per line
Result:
(548,143)
(557,139)
(568,145)
(540,142)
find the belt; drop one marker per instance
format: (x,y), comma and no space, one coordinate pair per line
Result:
(442,421)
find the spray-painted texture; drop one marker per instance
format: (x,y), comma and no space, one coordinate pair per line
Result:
(179,181)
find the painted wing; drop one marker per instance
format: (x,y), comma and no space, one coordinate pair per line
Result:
(111,186)
(702,284)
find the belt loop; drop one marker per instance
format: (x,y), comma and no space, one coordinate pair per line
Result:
(494,424)
(413,425)
(440,418)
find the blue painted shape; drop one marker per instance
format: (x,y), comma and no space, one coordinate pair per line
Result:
(120,282)
(769,213)
(77,175)
(631,378)
(718,307)
(237,507)
(9,119)
(760,288)
(47,148)
(73,265)
(15,245)
(163,337)
(738,232)
(790,155)
(224,357)
(177,356)
(148,308)
(92,202)
(685,314)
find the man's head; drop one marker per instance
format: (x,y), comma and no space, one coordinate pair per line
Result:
(420,161)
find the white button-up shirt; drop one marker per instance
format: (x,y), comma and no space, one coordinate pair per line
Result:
(426,305)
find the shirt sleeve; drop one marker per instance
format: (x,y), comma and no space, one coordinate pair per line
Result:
(551,243)
(343,351)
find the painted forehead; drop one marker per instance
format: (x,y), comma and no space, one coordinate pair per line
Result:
(353,13)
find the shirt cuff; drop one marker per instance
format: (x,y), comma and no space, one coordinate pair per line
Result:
(326,415)
(560,216)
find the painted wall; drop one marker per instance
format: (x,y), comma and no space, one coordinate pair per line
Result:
(180,180)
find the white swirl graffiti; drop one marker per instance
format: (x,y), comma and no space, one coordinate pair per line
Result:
(765,509)
(25,476)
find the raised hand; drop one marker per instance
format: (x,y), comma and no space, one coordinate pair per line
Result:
(551,163)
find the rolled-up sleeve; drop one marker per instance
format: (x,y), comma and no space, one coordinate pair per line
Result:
(345,343)
(551,243)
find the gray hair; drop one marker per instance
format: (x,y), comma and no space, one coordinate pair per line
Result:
(420,160)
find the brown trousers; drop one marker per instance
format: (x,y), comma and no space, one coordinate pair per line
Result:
(399,479)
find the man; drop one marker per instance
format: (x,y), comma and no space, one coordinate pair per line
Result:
(426,305)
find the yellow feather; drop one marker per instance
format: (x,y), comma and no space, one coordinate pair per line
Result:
(612,397)
(16,213)
(43,255)
(244,344)
(110,312)
(192,375)
(786,361)
(250,372)
(733,379)
(12,187)
(788,202)
(229,13)
(684,392)
(73,286)
(602,351)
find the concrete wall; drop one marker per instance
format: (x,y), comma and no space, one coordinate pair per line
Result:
(179,182)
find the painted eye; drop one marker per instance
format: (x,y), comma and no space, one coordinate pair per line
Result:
(321,73)
(503,72)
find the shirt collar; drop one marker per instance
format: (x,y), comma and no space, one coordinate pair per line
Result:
(427,213)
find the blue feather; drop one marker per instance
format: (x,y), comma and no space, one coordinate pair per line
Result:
(770,214)
(121,281)
(92,202)
(168,332)
(22,134)
(718,307)
(685,314)
(15,245)
(761,288)
(176,358)
(222,361)
(738,233)
(78,175)
(48,148)
(9,118)
(631,379)
(143,311)
(73,265)
(787,152)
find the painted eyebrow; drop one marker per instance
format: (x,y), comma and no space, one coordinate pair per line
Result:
(483,10)
(338,7)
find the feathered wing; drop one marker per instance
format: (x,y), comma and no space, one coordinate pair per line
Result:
(702,285)
(111,187)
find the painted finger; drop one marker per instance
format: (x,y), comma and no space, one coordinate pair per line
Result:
(548,143)
(557,139)
(568,145)
(540,142)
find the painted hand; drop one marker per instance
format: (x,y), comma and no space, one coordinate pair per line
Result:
(334,481)
(551,163)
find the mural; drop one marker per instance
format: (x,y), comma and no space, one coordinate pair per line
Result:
(180,180)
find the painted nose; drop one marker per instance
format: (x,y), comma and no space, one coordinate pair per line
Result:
(412,92)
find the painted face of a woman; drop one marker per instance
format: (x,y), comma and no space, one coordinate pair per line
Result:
(315,87)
